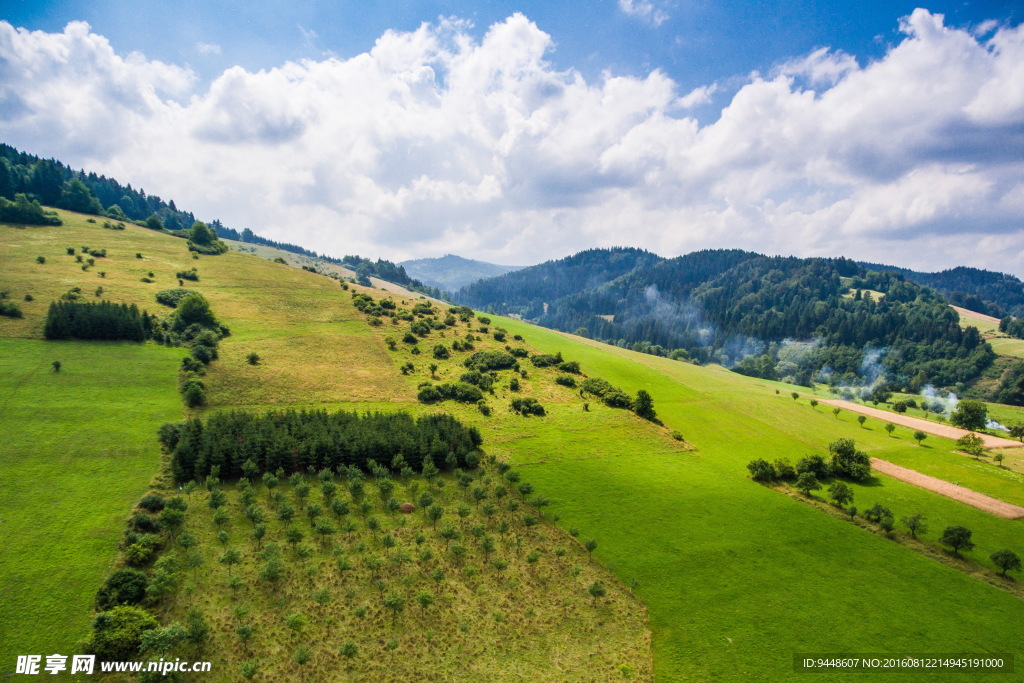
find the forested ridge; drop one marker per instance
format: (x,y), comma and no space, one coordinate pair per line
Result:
(745,310)
(996,294)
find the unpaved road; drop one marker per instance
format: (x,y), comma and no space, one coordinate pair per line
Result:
(926,426)
(964,495)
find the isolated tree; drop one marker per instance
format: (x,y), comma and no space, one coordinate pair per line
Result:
(972,444)
(920,436)
(814,403)
(836,411)
(1017,431)
(806,483)
(915,523)
(644,406)
(861,420)
(890,428)
(957,538)
(56,365)
(998,457)
(596,591)
(840,493)
(795,395)
(970,415)
(591,545)
(348,649)
(197,630)
(1006,560)
(847,460)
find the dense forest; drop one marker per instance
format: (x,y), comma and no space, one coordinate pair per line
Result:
(745,310)
(995,294)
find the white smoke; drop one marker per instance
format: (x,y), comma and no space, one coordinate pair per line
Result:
(938,403)
(992,424)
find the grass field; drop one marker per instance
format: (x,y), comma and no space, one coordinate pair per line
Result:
(78,450)
(1002,344)
(736,577)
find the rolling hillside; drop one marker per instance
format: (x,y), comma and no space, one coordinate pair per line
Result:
(734,577)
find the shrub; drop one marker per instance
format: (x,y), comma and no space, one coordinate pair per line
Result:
(253,358)
(441,352)
(761,470)
(527,406)
(518,351)
(570,366)
(144,523)
(565,381)
(173,297)
(490,360)
(194,394)
(40,259)
(190,274)
(117,633)
(10,310)
(152,503)
(123,587)
(546,360)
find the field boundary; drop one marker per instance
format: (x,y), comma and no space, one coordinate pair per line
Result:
(958,493)
(926,426)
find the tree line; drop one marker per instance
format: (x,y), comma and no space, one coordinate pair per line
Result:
(103,320)
(302,441)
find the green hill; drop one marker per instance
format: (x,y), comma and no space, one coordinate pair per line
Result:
(451,273)
(735,578)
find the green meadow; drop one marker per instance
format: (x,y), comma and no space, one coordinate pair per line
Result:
(737,577)
(78,451)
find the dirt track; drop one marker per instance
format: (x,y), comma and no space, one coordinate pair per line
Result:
(964,495)
(926,426)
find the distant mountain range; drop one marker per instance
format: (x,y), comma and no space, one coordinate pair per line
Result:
(985,291)
(451,273)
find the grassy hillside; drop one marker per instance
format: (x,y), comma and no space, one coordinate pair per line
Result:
(1002,344)
(77,451)
(735,577)
(315,349)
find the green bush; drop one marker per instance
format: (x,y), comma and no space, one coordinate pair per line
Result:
(566,381)
(123,587)
(117,633)
(152,502)
(527,406)
(173,297)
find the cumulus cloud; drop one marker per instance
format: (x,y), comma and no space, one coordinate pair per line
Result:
(645,10)
(435,141)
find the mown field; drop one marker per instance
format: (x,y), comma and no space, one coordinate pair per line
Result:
(1002,344)
(77,451)
(736,577)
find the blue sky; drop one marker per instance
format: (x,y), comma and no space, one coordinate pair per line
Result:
(520,132)
(693,41)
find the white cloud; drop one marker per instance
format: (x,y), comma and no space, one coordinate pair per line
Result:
(436,142)
(208,48)
(645,10)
